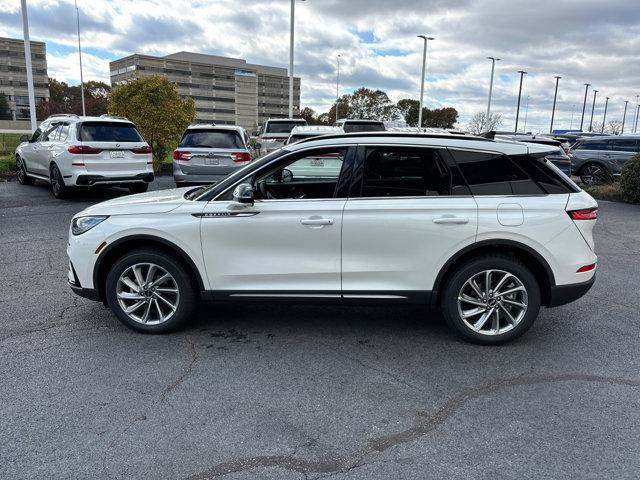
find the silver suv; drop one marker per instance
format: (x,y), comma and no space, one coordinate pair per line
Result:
(207,153)
(600,159)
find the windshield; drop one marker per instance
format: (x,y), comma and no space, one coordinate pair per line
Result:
(350,127)
(282,127)
(211,139)
(109,132)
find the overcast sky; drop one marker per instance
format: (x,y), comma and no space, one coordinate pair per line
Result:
(581,40)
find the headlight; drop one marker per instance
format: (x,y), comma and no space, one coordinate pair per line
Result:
(81,225)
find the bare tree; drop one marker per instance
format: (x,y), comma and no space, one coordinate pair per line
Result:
(479,122)
(614,127)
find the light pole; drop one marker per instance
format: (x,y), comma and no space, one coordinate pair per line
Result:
(493,66)
(635,128)
(293,14)
(526,112)
(522,74)
(604,117)
(553,110)
(27,59)
(424,64)
(584,104)
(80,57)
(573,110)
(624,116)
(337,85)
(593,107)
(635,116)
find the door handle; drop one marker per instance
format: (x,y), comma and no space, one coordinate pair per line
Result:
(451,220)
(315,222)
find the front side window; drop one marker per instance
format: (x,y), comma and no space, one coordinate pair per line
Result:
(494,174)
(624,145)
(405,172)
(109,132)
(225,139)
(37,134)
(593,145)
(308,175)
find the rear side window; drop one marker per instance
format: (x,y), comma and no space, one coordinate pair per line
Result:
(624,145)
(350,127)
(109,132)
(494,174)
(229,139)
(282,127)
(404,172)
(592,145)
(543,174)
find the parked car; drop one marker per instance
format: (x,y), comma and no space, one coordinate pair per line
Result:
(558,156)
(69,151)
(600,159)
(275,132)
(355,125)
(488,231)
(304,132)
(207,153)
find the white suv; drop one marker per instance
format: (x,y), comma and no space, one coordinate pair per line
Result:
(69,151)
(488,231)
(275,132)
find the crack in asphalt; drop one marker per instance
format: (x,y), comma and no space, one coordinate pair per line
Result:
(385,442)
(185,373)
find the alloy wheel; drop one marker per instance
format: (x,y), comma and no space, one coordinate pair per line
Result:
(492,302)
(593,175)
(55,180)
(147,293)
(20,170)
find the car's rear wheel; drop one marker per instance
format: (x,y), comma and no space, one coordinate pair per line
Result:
(150,291)
(59,189)
(138,187)
(594,174)
(491,300)
(21,172)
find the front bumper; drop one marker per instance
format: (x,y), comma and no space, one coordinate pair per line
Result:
(78,289)
(563,294)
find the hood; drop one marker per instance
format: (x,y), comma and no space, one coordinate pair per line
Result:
(159,201)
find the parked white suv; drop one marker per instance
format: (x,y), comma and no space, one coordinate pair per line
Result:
(275,132)
(488,231)
(70,151)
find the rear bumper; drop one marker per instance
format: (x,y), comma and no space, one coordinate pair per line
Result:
(563,294)
(89,180)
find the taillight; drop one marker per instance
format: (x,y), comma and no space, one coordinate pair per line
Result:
(145,149)
(584,214)
(182,156)
(586,268)
(241,157)
(84,149)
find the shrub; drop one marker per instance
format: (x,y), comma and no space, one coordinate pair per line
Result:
(630,180)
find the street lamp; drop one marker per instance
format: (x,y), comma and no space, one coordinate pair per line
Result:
(624,116)
(80,57)
(584,104)
(553,110)
(526,112)
(593,107)
(635,117)
(635,128)
(522,74)
(27,58)
(293,14)
(604,117)
(337,85)
(424,64)
(493,66)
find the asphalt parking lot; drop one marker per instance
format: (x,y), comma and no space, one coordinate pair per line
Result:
(288,392)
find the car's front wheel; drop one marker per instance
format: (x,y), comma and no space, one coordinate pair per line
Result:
(491,300)
(150,291)
(21,172)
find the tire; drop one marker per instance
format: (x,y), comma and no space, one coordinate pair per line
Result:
(495,329)
(59,189)
(594,174)
(21,172)
(145,317)
(138,187)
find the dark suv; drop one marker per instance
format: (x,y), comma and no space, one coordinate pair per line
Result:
(599,160)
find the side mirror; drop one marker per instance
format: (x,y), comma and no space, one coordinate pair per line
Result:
(243,193)
(25,138)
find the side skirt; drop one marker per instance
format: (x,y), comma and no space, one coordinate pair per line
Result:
(357,297)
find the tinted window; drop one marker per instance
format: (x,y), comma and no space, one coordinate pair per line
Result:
(64,133)
(212,139)
(624,145)
(350,127)
(52,135)
(542,173)
(404,172)
(282,127)
(592,145)
(109,132)
(494,174)
(36,135)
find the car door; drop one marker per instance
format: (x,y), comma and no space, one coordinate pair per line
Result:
(621,150)
(408,213)
(30,151)
(288,242)
(42,151)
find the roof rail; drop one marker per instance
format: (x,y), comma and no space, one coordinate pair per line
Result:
(63,115)
(446,136)
(119,117)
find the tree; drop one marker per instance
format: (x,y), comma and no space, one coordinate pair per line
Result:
(439,117)
(372,104)
(5,111)
(479,124)
(153,104)
(408,109)
(344,110)
(309,114)
(614,127)
(64,98)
